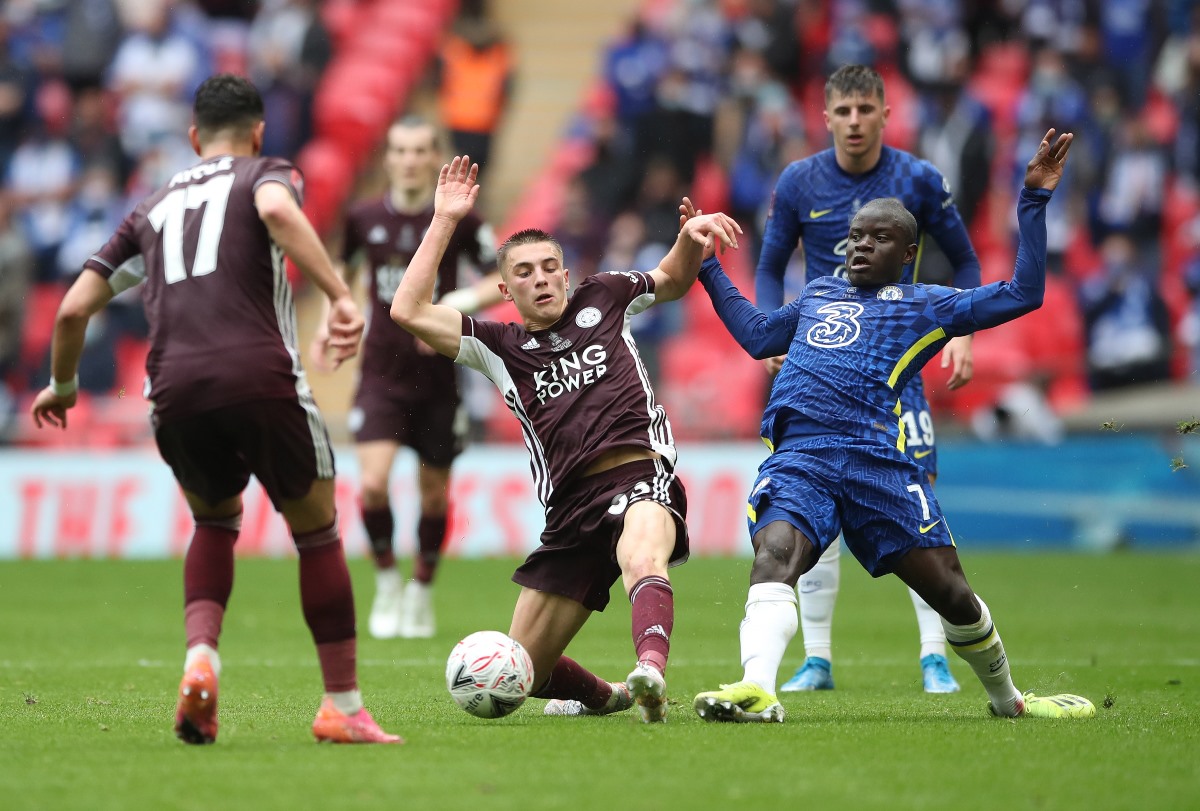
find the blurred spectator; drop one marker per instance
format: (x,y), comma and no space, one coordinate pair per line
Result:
(1020,412)
(956,134)
(633,64)
(43,176)
(92,216)
(610,178)
(658,202)
(92,134)
(90,39)
(474,83)
(14,99)
(580,232)
(1133,196)
(155,73)
(289,48)
(1126,324)
(16,275)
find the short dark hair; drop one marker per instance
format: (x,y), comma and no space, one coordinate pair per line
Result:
(854,80)
(413,121)
(226,102)
(527,236)
(894,208)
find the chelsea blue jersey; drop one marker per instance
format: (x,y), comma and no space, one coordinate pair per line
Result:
(850,351)
(815,199)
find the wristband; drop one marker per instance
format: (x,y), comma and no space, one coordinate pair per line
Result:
(64,389)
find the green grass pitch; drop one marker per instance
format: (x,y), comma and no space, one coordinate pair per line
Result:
(90,656)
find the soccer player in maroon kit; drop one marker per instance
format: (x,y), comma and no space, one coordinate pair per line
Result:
(407,393)
(601,450)
(228,396)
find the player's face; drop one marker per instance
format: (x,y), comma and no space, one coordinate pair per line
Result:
(412,160)
(536,282)
(856,122)
(877,249)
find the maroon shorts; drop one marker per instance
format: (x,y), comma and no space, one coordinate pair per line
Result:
(282,442)
(434,427)
(578,554)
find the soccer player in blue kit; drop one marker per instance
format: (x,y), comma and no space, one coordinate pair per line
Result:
(838,460)
(813,202)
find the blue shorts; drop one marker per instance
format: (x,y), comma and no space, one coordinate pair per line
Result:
(877,497)
(921,443)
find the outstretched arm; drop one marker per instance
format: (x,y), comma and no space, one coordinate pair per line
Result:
(761,335)
(87,296)
(413,307)
(997,303)
(699,236)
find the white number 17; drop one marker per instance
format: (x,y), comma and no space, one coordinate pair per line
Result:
(167,218)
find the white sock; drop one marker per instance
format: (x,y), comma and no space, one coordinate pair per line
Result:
(347,703)
(818,590)
(768,627)
(195,651)
(388,580)
(979,645)
(929,625)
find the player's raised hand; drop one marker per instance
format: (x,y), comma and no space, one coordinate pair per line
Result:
(52,408)
(1046,167)
(456,189)
(345,327)
(711,230)
(318,350)
(687,211)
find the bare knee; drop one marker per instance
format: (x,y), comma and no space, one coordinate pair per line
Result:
(374,491)
(781,554)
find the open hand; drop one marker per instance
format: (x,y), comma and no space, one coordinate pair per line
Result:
(710,230)
(1046,167)
(456,189)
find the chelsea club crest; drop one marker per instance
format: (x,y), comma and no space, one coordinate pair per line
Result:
(890,293)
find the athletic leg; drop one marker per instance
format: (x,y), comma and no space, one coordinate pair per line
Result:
(417,618)
(643,552)
(327,600)
(937,576)
(375,460)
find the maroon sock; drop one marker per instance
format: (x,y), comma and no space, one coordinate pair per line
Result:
(208,579)
(653,619)
(571,680)
(380,527)
(328,604)
(431,534)
(339,665)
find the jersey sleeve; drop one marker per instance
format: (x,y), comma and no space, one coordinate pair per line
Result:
(945,224)
(625,287)
(966,311)
(479,348)
(780,238)
(120,261)
(278,170)
(761,335)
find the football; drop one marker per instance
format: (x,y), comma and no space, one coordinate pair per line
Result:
(489,674)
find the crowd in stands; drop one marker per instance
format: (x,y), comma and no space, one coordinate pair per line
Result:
(95,102)
(718,96)
(707,97)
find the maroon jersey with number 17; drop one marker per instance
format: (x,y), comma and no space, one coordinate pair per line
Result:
(578,388)
(222,319)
